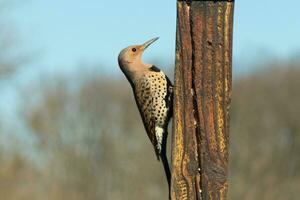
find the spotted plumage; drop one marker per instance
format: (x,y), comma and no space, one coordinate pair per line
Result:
(153,93)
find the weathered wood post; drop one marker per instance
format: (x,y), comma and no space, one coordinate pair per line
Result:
(202,99)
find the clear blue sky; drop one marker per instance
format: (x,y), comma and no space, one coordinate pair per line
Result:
(69,32)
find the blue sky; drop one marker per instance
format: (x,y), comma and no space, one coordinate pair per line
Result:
(65,34)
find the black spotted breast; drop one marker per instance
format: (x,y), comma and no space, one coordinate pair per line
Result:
(153,93)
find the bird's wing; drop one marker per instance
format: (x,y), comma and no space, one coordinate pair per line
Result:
(154,99)
(146,104)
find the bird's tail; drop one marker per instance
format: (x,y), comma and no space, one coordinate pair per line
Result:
(164,160)
(165,163)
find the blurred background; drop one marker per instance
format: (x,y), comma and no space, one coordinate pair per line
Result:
(69,127)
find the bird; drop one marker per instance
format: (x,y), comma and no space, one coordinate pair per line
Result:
(153,92)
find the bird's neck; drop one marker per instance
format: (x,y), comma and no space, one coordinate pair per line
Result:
(139,66)
(136,70)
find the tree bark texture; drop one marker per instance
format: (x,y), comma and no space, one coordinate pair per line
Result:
(202,99)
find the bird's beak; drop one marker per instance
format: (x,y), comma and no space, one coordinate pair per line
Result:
(148,43)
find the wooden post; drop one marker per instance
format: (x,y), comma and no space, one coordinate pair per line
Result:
(202,98)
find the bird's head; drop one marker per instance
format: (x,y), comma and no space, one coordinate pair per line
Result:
(130,58)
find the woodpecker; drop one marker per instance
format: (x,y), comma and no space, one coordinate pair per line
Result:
(153,92)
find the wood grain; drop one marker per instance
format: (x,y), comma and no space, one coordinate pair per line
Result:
(202,99)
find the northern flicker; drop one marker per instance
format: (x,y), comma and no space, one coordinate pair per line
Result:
(153,93)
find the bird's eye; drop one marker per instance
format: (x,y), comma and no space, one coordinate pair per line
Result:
(133,49)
